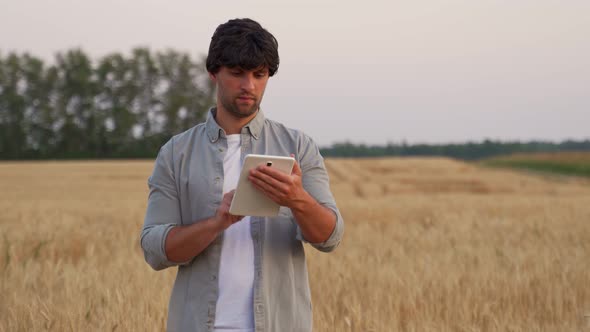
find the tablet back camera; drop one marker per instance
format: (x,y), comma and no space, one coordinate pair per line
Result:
(269,163)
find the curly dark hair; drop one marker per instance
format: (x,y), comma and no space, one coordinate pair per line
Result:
(243,43)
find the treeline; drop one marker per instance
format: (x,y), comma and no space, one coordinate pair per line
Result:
(118,106)
(127,106)
(467,151)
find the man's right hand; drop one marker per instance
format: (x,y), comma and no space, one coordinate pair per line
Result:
(222,216)
(187,241)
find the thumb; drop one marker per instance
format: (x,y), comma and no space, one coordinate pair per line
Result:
(296,168)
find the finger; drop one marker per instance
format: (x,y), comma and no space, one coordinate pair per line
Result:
(268,190)
(267,178)
(272,172)
(260,182)
(228,196)
(296,169)
(276,191)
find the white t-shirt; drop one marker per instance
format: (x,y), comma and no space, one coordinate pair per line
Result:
(236,270)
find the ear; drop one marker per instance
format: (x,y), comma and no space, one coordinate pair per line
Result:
(212,77)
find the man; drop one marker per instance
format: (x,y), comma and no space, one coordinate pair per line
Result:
(238,273)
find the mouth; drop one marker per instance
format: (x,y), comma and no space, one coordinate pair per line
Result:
(246,99)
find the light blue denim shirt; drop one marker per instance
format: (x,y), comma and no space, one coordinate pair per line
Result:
(186,186)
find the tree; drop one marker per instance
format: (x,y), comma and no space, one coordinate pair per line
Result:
(79,123)
(120,107)
(184,99)
(12,107)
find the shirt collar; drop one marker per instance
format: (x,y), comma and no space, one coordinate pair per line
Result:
(214,131)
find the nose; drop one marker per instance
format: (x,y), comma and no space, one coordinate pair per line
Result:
(247,82)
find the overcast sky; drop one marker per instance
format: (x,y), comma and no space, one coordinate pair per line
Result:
(364,71)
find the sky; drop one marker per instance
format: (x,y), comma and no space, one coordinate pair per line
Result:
(372,72)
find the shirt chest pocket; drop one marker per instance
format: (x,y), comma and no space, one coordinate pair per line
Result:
(204,195)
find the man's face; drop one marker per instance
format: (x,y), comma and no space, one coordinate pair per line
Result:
(239,91)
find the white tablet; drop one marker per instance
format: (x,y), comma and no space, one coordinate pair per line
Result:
(249,201)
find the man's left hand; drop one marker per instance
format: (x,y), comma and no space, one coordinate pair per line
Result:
(284,189)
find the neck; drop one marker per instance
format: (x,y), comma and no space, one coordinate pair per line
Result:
(231,124)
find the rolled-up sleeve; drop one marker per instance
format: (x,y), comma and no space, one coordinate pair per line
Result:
(317,183)
(163,210)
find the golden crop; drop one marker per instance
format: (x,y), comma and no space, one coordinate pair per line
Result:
(431,244)
(562,157)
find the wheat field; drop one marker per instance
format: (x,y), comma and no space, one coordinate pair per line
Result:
(430,244)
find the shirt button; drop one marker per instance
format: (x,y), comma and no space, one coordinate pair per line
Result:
(220,150)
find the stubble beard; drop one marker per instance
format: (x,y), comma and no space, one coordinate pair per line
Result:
(232,108)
